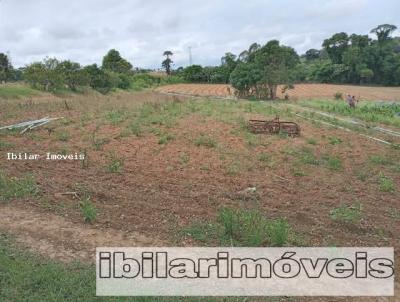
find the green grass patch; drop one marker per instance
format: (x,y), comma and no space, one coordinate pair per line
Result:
(350,214)
(206,141)
(13,187)
(15,91)
(386,184)
(238,227)
(374,112)
(333,163)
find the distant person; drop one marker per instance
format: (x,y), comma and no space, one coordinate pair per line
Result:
(352,102)
(349,99)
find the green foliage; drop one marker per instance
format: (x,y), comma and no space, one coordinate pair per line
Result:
(113,61)
(237,227)
(6,69)
(338,96)
(88,210)
(12,187)
(115,164)
(15,91)
(347,214)
(386,184)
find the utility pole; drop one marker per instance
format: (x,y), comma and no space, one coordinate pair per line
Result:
(190,56)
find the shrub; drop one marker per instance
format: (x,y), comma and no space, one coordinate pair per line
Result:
(338,96)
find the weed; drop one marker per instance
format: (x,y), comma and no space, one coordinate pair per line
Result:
(347,214)
(5,145)
(385,183)
(334,140)
(308,157)
(136,128)
(237,227)
(338,96)
(63,136)
(333,163)
(206,141)
(380,160)
(12,187)
(88,210)
(233,168)
(312,141)
(115,165)
(116,116)
(165,138)
(184,158)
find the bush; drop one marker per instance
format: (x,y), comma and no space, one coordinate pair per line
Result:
(338,96)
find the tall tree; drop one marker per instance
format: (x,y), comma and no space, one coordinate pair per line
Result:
(167,63)
(383,31)
(336,46)
(114,62)
(5,68)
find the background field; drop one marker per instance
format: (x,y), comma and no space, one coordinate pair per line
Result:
(301,91)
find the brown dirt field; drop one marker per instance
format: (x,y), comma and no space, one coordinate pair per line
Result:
(301,91)
(162,188)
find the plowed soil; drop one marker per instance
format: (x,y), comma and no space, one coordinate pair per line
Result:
(301,91)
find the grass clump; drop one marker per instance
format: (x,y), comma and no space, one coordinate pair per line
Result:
(238,227)
(88,210)
(206,141)
(333,163)
(63,136)
(116,116)
(386,184)
(115,165)
(334,140)
(380,160)
(347,213)
(165,138)
(13,187)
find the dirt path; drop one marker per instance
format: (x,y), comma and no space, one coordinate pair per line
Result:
(54,237)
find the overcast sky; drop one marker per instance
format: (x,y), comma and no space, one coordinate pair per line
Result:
(84,30)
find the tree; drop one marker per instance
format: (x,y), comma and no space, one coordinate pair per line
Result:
(194,73)
(167,63)
(72,74)
(336,46)
(45,75)
(277,63)
(312,54)
(383,31)
(5,68)
(99,79)
(114,62)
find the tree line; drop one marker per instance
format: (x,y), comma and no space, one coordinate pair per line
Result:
(255,72)
(343,59)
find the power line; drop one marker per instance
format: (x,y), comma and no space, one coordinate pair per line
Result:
(190,56)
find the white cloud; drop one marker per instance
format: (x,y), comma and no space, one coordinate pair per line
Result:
(142,29)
